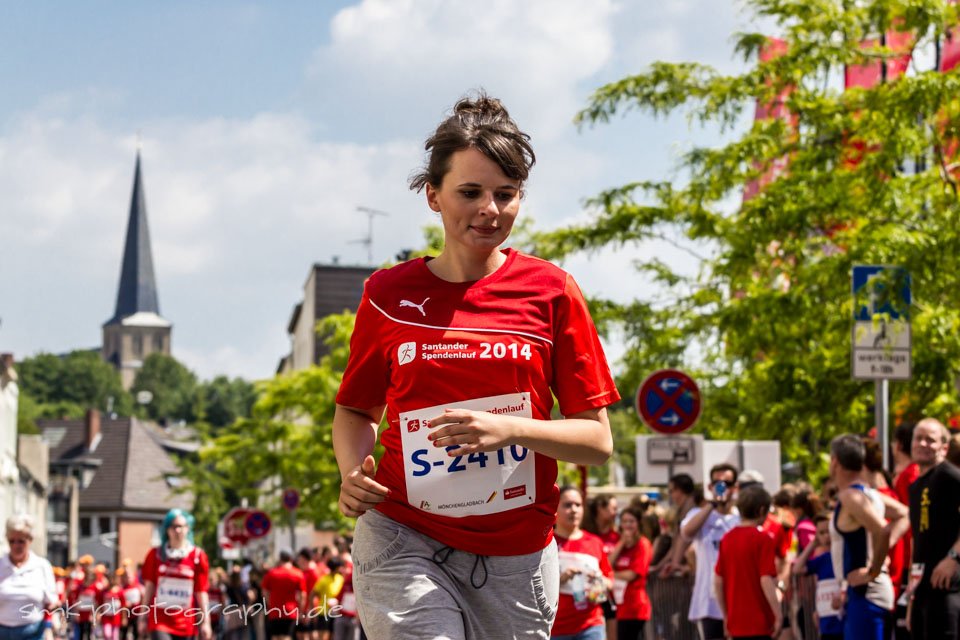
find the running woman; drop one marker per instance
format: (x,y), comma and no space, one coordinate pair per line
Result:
(175,580)
(465,352)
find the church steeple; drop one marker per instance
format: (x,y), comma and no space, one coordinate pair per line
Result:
(138,287)
(136,329)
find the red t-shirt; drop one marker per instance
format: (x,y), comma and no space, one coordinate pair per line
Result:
(283,583)
(84,600)
(636,602)
(504,344)
(176,583)
(898,554)
(780,534)
(746,554)
(901,485)
(587,553)
(610,540)
(904,479)
(112,606)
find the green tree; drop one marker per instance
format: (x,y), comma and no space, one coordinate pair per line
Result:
(65,387)
(765,323)
(286,441)
(173,388)
(224,400)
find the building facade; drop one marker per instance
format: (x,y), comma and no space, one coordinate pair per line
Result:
(115,479)
(329,289)
(23,462)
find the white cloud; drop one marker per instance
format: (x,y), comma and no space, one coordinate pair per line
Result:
(238,211)
(415,57)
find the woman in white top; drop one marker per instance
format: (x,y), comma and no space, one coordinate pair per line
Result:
(26,584)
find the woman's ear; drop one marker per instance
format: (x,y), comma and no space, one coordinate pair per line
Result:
(432,201)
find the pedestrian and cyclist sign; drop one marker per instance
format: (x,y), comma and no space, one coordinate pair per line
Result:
(881,338)
(668,401)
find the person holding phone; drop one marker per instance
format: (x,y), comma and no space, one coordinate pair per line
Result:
(703,527)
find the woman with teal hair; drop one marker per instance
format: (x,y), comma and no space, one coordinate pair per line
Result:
(176,579)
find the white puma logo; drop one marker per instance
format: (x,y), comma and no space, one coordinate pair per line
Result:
(407,303)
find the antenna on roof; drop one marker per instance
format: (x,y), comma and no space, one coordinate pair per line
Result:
(368,240)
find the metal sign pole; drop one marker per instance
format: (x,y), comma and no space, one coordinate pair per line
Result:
(293,530)
(885,441)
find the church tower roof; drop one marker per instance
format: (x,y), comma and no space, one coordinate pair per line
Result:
(137,294)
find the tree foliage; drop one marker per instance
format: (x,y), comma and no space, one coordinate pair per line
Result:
(66,386)
(286,441)
(172,388)
(765,322)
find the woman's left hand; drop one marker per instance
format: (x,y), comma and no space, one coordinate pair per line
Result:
(471,431)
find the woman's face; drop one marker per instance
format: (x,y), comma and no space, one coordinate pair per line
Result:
(629,524)
(19,543)
(177,532)
(570,510)
(823,533)
(477,203)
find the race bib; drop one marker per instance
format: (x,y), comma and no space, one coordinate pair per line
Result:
(469,485)
(113,607)
(132,596)
(619,590)
(588,565)
(87,602)
(349,603)
(174,592)
(826,591)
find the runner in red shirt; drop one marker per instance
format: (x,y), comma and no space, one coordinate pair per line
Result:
(746,572)
(175,580)
(111,608)
(132,598)
(284,590)
(631,565)
(465,352)
(601,520)
(309,628)
(585,573)
(84,599)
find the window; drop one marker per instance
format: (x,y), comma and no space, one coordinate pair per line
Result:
(85,527)
(105,524)
(158,342)
(137,345)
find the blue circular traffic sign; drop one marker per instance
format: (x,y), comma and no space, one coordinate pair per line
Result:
(668,401)
(291,499)
(257,524)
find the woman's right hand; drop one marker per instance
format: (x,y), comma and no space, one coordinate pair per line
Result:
(359,492)
(568,574)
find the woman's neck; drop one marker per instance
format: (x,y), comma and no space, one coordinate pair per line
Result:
(18,562)
(454,266)
(569,534)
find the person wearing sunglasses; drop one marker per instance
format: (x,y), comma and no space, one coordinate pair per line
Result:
(27,585)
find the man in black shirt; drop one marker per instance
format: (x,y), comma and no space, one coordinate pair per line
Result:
(935,521)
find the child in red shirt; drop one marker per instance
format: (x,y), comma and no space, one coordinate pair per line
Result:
(631,564)
(745,581)
(111,609)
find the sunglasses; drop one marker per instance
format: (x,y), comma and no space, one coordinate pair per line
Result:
(18,541)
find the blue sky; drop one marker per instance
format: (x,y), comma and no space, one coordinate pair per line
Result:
(264,125)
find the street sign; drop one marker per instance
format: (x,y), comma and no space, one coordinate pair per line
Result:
(668,401)
(881,339)
(671,450)
(291,499)
(257,524)
(234,528)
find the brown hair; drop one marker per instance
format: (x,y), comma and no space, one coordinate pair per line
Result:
(480,123)
(753,502)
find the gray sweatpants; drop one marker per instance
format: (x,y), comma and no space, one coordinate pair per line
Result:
(403,593)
